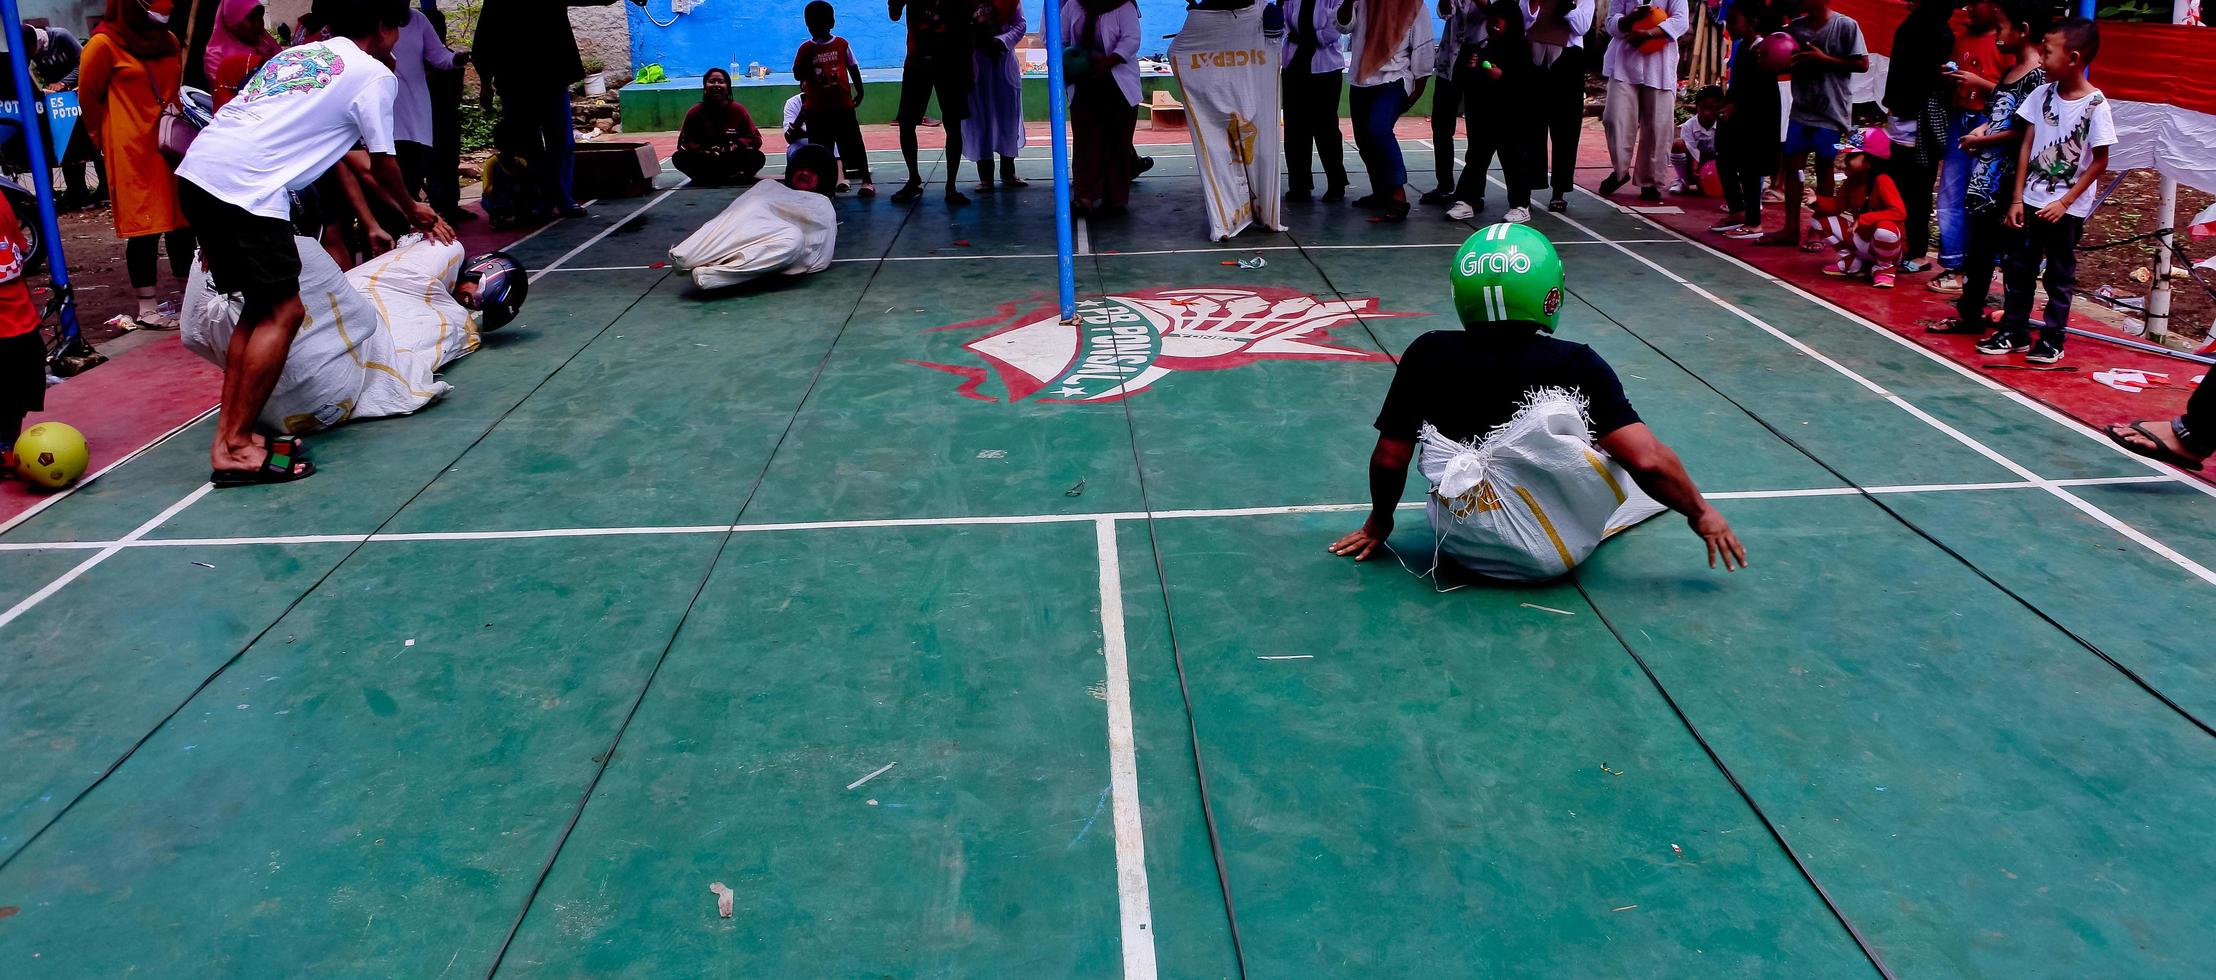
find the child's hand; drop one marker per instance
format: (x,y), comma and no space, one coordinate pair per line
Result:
(2053,212)
(2015,218)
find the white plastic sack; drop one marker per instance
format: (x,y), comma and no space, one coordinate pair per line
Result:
(351,359)
(770,229)
(1228,70)
(412,288)
(1532,498)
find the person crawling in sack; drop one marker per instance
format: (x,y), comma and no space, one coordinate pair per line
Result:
(1527,440)
(776,228)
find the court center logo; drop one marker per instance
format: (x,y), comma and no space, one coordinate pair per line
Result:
(1123,343)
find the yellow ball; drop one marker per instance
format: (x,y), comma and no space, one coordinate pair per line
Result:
(51,455)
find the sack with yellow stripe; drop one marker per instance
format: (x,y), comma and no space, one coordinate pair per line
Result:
(372,342)
(1533,497)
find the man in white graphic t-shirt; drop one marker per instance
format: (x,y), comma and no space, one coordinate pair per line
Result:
(303,111)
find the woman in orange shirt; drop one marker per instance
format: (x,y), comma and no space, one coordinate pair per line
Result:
(130,70)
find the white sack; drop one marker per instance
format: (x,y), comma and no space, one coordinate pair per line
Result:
(1532,498)
(1228,70)
(350,361)
(770,229)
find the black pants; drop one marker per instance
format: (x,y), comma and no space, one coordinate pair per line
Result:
(838,128)
(1742,168)
(2197,427)
(710,169)
(1483,116)
(442,184)
(1915,183)
(2052,242)
(1312,118)
(1447,106)
(1991,241)
(1553,117)
(142,256)
(415,165)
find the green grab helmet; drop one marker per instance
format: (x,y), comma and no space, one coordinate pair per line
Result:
(1508,273)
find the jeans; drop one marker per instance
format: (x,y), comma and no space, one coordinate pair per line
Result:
(1954,183)
(1374,109)
(1312,129)
(2054,242)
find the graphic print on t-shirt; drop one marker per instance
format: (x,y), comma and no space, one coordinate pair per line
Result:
(2055,165)
(307,68)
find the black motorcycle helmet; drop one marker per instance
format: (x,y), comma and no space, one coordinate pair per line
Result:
(494,284)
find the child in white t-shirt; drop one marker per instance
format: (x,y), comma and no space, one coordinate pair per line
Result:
(2058,165)
(1696,139)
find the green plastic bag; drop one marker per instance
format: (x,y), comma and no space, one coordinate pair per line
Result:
(649,75)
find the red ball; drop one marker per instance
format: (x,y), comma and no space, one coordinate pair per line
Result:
(1775,53)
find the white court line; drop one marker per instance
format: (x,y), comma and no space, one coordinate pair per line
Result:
(1934,356)
(980,521)
(191,498)
(1123,767)
(2085,507)
(611,229)
(1232,251)
(52,499)
(1084,237)
(102,555)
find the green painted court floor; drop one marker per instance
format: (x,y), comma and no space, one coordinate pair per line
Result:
(853,597)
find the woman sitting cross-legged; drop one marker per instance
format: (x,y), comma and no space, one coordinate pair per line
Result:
(718,143)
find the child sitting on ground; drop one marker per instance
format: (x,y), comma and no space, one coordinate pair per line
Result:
(22,352)
(1864,222)
(2057,166)
(1747,138)
(1696,140)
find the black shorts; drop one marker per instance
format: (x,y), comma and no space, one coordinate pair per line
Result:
(946,74)
(22,375)
(246,253)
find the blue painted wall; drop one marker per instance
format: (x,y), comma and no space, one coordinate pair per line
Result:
(719,32)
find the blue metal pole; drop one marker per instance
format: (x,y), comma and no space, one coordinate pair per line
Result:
(28,96)
(2086,8)
(1065,257)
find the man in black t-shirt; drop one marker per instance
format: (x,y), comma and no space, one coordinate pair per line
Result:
(1467,383)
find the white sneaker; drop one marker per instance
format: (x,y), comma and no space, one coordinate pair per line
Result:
(1461,211)
(1517,216)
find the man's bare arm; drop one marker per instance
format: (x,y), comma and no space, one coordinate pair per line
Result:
(1388,478)
(1658,471)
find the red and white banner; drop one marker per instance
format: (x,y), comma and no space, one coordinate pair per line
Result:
(2156,75)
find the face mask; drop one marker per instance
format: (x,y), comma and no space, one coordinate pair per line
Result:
(157,11)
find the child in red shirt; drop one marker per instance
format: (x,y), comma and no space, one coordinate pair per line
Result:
(22,352)
(1864,222)
(830,87)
